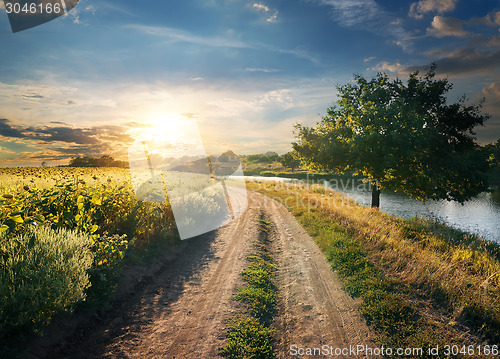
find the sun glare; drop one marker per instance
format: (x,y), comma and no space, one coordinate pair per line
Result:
(164,128)
(168,136)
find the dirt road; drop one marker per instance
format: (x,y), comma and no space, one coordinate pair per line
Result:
(177,307)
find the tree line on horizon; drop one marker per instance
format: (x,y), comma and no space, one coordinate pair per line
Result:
(103,161)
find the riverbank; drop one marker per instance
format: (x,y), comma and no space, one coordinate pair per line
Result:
(421,283)
(478,216)
(305,174)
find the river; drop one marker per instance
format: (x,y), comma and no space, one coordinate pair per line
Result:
(480,216)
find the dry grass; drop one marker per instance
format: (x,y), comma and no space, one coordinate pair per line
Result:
(446,274)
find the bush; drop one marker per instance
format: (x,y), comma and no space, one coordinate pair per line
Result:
(42,272)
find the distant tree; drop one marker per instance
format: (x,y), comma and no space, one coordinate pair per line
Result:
(105,161)
(400,135)
(82,162)
(121,164)
(290,160)
(272,155)
(259,158)
(44,164)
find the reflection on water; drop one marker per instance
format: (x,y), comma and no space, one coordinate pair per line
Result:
(480,215)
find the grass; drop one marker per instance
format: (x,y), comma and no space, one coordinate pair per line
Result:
(249,335)
(422,283)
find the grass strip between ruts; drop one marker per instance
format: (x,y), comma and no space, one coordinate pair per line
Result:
(248,335)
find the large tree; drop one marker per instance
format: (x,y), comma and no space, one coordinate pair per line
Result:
(401,135)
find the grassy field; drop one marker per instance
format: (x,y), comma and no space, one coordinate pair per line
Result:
(64,234)
(421,283)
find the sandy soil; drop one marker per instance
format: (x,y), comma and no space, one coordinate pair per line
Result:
(177,306)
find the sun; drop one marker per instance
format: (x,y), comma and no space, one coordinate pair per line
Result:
(167,136)
(164,128)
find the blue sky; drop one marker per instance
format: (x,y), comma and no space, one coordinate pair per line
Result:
(90,82)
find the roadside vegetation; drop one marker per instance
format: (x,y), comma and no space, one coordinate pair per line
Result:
(421,283)
(65,233)
(249,335)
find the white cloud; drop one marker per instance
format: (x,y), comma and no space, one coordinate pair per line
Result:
(418,9)
(368,15)
(277,96)
(446,26)
(261,7)
(492,95)
(175,35)
(395,68)
(108,103)
(271,15)
(369,59)
(226,113)
(91,9)
(251,69)
(490,132)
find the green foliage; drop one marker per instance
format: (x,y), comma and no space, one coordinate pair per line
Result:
(260,302)
(99,204)
(267,174)
(95,208)
(247,338)
(259,294)
(42,272)
(103,161)
(493,152)
(405,136)
(262,158)
(259,274)
(290,160)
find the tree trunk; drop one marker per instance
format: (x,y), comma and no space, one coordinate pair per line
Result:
(375,194)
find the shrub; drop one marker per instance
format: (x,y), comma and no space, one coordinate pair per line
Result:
(42,272)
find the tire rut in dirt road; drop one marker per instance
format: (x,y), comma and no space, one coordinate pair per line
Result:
(194,325)
(178,308)
(313,308)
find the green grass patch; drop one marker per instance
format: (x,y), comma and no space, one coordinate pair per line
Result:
(247,338)
(249,335)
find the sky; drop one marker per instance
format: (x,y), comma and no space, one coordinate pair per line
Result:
(111,72)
